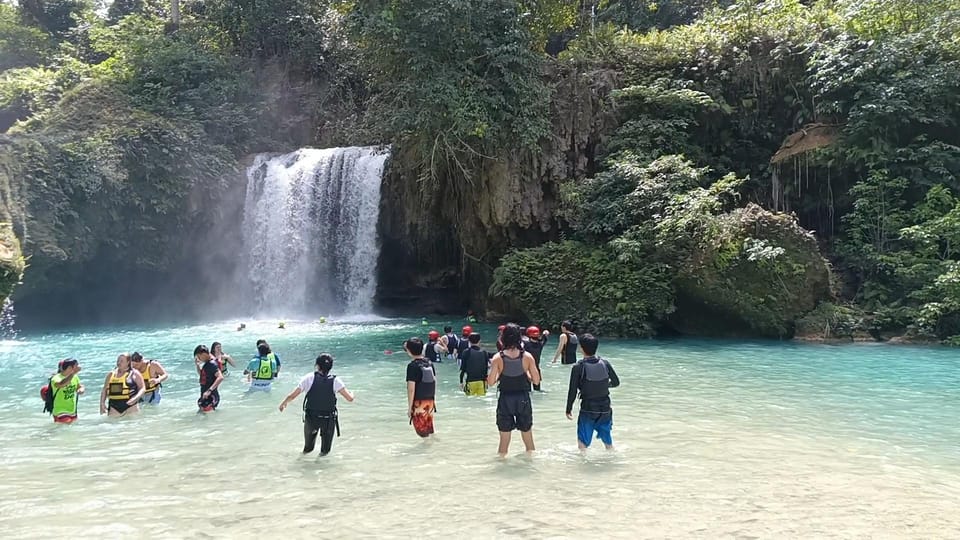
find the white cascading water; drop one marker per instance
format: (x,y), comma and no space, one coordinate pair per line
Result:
(310,230)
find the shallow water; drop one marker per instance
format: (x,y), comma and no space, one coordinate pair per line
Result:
(714,439)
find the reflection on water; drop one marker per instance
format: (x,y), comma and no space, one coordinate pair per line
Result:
(713,439)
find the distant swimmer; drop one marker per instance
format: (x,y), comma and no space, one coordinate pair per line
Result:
(210,380)
(241,328)
(320,415)
(262,369)
(471,317)
(514,370)
(592,378)
(433,338)
(275,356)
(464,342)
(153,376)
(223,359)
(451,343)
(282,325)
(567,346)
(421,388)
(533,342)
(122,389)
(474,368)
(63,392)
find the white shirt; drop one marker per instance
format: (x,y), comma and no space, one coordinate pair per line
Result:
(307,382)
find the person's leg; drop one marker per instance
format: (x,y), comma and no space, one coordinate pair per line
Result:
(605,430)
(310,431)
(523,408)
(527,437)
(504,443)
(506,422)
(537,386)
(585,428)
(328,428)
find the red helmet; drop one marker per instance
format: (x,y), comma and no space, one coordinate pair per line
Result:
(433,335)
(533,331)
(467,330)
(501,327)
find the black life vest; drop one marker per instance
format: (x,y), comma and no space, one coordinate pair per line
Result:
(514,377)
(594,378)
(321,398)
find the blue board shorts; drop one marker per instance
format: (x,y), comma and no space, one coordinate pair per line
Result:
(153,398)
(589,423)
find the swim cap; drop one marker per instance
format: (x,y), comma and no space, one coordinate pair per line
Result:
(533,331)
(467,330)
(433,334)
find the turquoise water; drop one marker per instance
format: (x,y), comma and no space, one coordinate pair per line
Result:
(714,439)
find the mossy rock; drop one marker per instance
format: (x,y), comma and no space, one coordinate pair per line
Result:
(11,260)
(755,273)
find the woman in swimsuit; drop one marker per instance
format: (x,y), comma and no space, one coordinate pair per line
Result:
(122,389)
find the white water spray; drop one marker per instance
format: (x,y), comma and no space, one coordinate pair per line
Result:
(310,230)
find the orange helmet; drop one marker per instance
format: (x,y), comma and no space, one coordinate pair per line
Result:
(433,335)
(533,332)
(467,330)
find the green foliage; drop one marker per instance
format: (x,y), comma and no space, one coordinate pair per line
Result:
(20,45)
(55,17)
(292,28)
(453,80)
(649,14)
(572,280)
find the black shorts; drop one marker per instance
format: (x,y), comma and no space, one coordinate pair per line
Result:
(514,411)
(210,403)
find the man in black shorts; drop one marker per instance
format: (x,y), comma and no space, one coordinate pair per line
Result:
(514,370)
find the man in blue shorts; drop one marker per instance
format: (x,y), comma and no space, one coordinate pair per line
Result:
(592,378)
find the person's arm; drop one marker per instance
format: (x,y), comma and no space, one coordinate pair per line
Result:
(614,380)
(496,366)
(161,374)
(561,343)
(67,378)
(530,365)
(411,386)
(141,387)
(292,396)
(198,363)
(572,390)
(347,395)
(81,390)
(229,359)
(103,394)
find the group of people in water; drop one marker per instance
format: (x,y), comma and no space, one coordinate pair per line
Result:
(514,368)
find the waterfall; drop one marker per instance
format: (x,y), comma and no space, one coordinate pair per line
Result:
(310,230)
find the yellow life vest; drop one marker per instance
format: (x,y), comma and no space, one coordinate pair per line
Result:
(265,370)
(118,388)
(146,379)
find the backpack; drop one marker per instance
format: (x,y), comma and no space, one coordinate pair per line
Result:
(47,393)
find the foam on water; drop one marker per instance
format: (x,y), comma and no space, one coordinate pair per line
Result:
(714,439)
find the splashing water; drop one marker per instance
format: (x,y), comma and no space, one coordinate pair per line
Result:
(310,230)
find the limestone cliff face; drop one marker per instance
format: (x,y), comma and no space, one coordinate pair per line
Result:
(436,252)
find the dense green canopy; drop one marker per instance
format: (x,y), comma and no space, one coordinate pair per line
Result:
(120,130)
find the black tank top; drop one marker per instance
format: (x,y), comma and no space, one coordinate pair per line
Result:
(570,350)
(321,398)
(514,377)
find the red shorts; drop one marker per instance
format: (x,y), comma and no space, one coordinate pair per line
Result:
(422,417)
(65,419)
